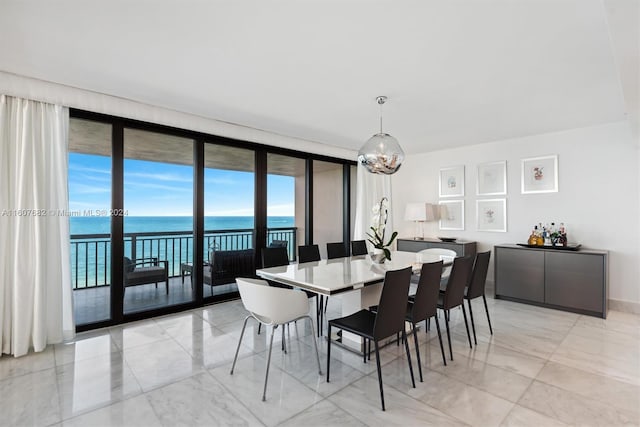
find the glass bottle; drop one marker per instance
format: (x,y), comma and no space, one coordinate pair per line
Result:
(533,239)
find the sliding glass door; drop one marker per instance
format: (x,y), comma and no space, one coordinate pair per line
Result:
(158,220)
(229,193)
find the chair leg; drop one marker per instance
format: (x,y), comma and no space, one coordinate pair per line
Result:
(415,339)
(315,345)
(369,349)
(379,373)
(318,313)
(167,285)
(239,342)
(364,351)
(473,326)
(466,324)
(259,328)
(487,310)
(406,348)
(328,349)
(266,376)
(444,359)
(284,344)
(446,322)
(428,326)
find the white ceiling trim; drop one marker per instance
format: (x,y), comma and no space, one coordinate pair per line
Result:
(54,93)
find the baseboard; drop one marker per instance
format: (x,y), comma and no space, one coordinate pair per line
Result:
(624,306)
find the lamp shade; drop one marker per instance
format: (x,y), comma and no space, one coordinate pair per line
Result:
(381,154)
(415,212)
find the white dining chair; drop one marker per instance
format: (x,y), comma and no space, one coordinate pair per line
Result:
(443,252)
(273,307)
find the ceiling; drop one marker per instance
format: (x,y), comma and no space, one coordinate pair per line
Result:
(455,72)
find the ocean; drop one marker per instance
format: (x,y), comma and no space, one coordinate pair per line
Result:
(141,224)
(90,256)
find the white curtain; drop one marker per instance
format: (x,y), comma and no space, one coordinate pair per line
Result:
(370,189)
(35,286)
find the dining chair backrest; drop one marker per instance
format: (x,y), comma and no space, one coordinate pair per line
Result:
(425,302)
(308,253)
(458,280)
(479,275)
(274,257)
(279,244)
(392,308)
(358,247)
(336,250)
(271,305)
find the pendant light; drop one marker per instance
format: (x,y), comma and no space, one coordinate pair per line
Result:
(382,153)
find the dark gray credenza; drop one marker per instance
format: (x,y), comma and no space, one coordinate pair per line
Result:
(461,247)
(574,281)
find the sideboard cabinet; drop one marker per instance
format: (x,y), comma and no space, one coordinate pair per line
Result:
(574,281)
(461,247)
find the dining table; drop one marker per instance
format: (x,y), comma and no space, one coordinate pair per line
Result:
(356,280)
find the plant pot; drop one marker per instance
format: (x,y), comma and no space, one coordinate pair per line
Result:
(377,256)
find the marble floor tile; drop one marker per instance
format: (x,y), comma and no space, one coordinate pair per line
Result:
(504,358)
(300,362)
(136,411)
(323,414)
(85,347)
(199,400)
(613,360)
(499,382)
(286,396)
(32,362)
(618,394)
(361,400)
(160,363)
(221,314)
(181,324)
(211,347)
(574,409)
(453,397)
(521,416)
(30,399)
(137,334)
(89,384)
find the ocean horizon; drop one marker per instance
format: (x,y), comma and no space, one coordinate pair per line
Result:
(143,224)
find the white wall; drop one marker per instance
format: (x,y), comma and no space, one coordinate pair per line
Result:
(598,196)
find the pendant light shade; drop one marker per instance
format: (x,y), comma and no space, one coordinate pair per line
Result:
(382,153)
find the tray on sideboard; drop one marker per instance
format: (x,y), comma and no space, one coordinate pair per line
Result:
(569,247)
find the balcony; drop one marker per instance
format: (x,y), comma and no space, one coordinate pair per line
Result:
(91,267)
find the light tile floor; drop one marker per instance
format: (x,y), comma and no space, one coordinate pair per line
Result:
(540,368)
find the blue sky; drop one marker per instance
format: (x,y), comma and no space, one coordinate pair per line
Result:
(159,189)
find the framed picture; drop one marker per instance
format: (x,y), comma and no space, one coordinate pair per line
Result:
(540,175)
(491,179)
(452,182)
(452,215)
(492,214)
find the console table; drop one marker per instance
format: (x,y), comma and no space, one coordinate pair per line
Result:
(461,247)
(575,281)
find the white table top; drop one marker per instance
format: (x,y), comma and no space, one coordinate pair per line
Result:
(333,276)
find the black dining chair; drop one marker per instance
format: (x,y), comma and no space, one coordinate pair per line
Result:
(424,305)
(311,253)
(336,250)
(358,247)
(387,321)
(308,253)
(476,288)
(453,295)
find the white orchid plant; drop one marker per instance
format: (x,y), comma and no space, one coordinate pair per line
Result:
(379,221)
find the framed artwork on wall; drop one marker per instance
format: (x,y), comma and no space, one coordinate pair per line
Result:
(491,179)
(492,215)
(539,175)
(452,182)
(452,215)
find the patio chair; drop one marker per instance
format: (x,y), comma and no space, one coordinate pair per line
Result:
(142,271)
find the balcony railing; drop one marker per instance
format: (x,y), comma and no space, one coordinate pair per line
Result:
(91,253)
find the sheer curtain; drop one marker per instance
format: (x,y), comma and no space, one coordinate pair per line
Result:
(370,189)
(35,286)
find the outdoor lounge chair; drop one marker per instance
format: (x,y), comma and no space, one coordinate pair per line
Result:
(142,271)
